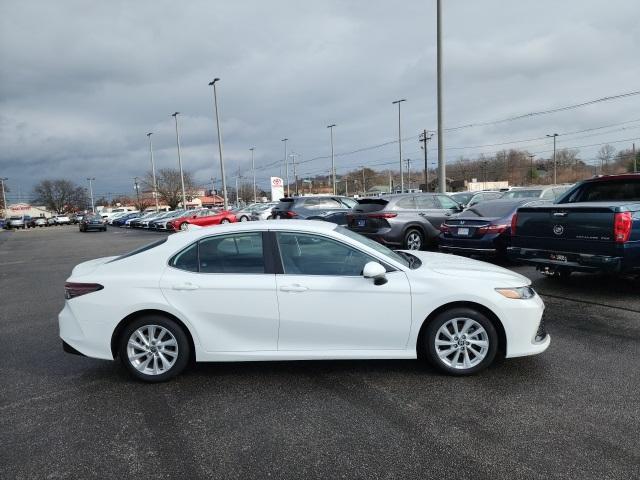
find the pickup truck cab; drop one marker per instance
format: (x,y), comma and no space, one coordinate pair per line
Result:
(594,227)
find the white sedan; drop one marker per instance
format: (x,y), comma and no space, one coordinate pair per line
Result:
(283,290)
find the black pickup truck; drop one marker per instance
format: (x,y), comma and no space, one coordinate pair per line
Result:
(594,227)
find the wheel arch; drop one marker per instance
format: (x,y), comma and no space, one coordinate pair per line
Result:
(117,332)
(502,337)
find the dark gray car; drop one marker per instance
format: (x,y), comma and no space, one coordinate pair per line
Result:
(409,221)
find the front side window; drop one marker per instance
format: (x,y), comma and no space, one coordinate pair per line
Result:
(308,254)
(446,202)
(425,202)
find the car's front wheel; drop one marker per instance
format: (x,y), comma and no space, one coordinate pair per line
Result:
(461,341)
(413,239)
(154,349)
(225,220)
(244,218)
(184,226)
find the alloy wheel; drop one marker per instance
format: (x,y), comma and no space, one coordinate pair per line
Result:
(414,241)
(152,350)
(184,226)
(224,220)
(461,343)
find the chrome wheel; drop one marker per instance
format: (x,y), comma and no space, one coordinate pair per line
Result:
(244,219)
(152,350)
(461,343)
(413,241)
(224,220)
(184,226)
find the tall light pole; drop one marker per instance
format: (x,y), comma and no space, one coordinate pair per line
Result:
(253,167)
(153,171)
(398,102)
(137,187)
(286,165)
(4,197)
(364,181)
(293,156)
(424,138)
(442,176)
(91,179)
(333,163)
(555,165)
(184,195)
(215,107)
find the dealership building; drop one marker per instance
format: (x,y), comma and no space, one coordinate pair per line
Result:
(20,209)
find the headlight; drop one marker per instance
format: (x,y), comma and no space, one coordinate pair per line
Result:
(518,293)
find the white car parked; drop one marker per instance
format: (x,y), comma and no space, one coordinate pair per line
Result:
(316,290)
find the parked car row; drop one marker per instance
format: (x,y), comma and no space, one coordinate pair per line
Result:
(27,221)
(173,220)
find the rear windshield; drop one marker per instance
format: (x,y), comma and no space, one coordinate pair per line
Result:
(370,205)
(144,248)
(606,191)
(522,194)
(462,197)
(490,209)
(285,204)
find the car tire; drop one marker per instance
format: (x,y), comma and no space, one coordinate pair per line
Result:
(413,239)
(225,220)
(154,363)
(244,218)
(469,350)
(184,226)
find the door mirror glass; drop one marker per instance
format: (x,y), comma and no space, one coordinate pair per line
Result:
(376,271)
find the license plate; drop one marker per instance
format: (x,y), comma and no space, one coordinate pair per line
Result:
(361,223)
(463,231)
(559,258)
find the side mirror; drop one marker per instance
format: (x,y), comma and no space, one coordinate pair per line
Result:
(376,271)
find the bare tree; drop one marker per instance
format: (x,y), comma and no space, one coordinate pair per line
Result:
(170,186)
(605,155)
(60,196)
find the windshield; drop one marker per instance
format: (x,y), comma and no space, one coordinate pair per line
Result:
(497,208)
(387,252)
(462,197)
(522,194)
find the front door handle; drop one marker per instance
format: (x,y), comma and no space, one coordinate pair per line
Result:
(293,288)
(185,286)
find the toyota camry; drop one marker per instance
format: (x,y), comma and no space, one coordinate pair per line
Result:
(282,290)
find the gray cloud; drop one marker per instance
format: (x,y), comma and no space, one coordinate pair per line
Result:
(83,82)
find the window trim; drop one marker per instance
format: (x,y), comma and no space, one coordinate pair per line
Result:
(277,255)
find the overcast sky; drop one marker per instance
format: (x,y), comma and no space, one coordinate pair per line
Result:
(82,82)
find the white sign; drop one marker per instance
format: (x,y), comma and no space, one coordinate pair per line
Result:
(277,189)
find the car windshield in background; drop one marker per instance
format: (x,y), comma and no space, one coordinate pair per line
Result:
(462,197)
(612,191)
(387,252)
(533,193)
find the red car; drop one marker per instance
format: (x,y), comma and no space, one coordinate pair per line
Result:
(202,218)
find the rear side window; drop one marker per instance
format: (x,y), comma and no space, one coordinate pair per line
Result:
(406,203)
(239,253)
(426,201)
(610,191)
(321,203)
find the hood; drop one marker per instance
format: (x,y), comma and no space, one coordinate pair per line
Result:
(85,268)
(456,266)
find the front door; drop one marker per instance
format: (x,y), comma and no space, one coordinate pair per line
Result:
(326,304)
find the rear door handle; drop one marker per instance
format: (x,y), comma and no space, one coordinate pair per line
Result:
(293,288)
(185,286)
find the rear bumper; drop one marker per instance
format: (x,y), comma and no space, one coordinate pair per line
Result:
(472,250)
(581,262)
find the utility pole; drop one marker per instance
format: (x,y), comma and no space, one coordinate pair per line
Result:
(184,195)
(531,169)
(390,183)
(555,166)
(408,160)
(293,156)
(442,177)
(224,178)
(364,183)
(635,160)
(333,163)
(4,196)
(424,138)
(253,167)
(153,171)
(93,208)
(346,187)
(286,165)
(135,182)
(398,102)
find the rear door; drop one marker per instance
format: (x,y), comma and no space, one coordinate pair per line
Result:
(431,210)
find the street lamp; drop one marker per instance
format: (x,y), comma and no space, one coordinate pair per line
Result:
(4,197)
(398,102)
(91,179)
(153,171)
(555,166)
(212,83)
(253,167)
(184,195)
(137,187)
(293,156)
(286,165)
(333,164)
(442,174)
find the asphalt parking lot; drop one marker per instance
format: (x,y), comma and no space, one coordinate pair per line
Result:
(573,412)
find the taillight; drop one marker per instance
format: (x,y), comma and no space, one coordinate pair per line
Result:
(444,228)
(514,221)
(73,290)
(493,229)
(290,214)
(622,227)
(382,215)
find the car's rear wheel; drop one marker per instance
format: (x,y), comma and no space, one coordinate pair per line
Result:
(244,219)
(154,349)
(225,220)
(413,239)
(461,341)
